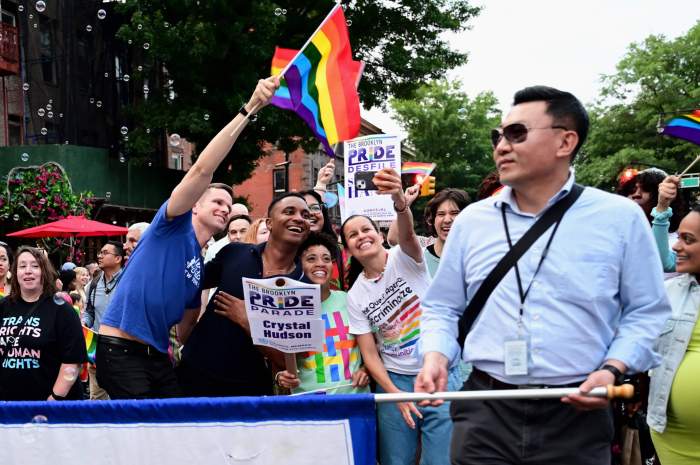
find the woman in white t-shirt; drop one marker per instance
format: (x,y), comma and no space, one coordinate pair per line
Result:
(384,307)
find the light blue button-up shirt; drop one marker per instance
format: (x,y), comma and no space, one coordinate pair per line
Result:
(599,294)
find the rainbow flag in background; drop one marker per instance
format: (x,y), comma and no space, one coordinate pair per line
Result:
(417,167)
(686,127)
(321,84)
(90,343)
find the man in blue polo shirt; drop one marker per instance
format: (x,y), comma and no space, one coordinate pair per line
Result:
(165,272)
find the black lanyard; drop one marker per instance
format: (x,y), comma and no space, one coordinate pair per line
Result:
(523,295)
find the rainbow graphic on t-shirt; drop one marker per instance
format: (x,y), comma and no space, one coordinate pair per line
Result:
(405,324)
(339,354)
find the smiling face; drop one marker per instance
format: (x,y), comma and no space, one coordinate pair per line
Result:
(687,247)
(362,239)
(82,276)
(317,263)
(444,217)
(29,274)
(316,218)
(289,221)
(213,209)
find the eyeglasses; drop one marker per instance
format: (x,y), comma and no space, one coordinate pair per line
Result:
(102,253)
(515,133)
(315,208)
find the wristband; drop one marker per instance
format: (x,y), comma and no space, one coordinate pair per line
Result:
(318,188)
(247,114)
(619,377)
(57,397)
(405,207)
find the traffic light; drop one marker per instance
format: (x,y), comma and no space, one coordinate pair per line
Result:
(428,187)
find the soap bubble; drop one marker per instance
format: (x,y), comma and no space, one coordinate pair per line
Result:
(129,41)
(58,298)
(124,130)
(25,86)
(25,156)
(148,130)
(92,100)
(60,115)
(44,131)
(49,114)
(15,217)
(31,16)
(146,46)
(98,104)
(140,68)
(88,28)
(278,11)
(41,112)
(35,25)
(139,26)
(206,116)
(42,201)
(101,14)
(175,139)
(126,78)
(204,90)
(40,6)
(20,8)
(284,12)
(166,25)
(145,89)
(125,138)
(39,419)
(122,159)
(49,106)
(348,22)
(106,75)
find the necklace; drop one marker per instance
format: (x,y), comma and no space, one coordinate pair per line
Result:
(381,273)
(114,282)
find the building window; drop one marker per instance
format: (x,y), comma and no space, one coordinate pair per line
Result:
(14,129)
(279,181)
(46,47)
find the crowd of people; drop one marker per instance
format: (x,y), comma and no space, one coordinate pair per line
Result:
(586,305)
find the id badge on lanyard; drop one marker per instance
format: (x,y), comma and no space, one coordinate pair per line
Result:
(515,352)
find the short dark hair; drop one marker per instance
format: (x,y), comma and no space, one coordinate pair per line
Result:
(319,238)
(118,247)
(564,108)
(276,200)
(239,217)
(458,196)
(221,185)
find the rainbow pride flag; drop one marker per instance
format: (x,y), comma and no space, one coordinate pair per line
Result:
(90,343)
(686,127)
(417,167)
(319,83)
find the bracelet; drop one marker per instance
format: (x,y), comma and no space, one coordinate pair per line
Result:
(57,397)
(317,188)
(405,207)
(247,114)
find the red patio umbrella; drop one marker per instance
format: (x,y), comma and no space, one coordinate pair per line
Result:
(72,226)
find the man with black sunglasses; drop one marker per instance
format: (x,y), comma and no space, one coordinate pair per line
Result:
(581,307)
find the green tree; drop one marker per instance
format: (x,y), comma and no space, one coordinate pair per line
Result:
(654,80)
(201,60)
(445,126)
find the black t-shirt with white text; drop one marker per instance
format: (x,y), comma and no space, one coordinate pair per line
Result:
(35,339)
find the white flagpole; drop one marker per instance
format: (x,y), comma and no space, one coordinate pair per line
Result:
(611,392)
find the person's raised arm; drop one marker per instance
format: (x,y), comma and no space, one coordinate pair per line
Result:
(199,176)
(660,224)
(388,181)
(325,176)
(410,194)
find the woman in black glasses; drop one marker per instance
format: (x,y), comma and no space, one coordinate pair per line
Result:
(5,264)
(41,341)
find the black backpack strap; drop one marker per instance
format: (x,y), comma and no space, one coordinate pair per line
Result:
(551,216)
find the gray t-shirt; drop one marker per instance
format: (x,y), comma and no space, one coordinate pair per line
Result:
(100,297)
